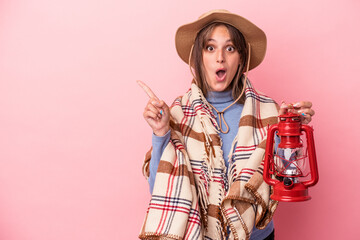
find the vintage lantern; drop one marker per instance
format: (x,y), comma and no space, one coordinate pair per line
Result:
(289,164)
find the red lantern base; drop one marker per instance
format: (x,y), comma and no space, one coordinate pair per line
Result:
(297,192)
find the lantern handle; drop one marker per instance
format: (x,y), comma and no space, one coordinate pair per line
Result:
(269,155)
(312,156)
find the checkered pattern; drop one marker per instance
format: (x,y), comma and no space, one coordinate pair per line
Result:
(193,197)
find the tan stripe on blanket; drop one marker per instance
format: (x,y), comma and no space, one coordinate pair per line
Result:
(166,167)
(199,135)
(252,121)
(241,206)
(214,211)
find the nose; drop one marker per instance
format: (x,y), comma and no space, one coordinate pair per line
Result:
(220,57)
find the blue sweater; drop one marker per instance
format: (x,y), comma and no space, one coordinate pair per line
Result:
(220,100)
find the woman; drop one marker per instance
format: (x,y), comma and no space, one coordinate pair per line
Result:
(205,170)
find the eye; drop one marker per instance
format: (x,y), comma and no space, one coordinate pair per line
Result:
(210,48)
(230,48)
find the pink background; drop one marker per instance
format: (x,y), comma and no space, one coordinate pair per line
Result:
(72,136)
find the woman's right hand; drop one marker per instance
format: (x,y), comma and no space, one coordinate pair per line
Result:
(157,115)
(156,112)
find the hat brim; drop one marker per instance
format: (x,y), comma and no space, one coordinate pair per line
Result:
(186,34)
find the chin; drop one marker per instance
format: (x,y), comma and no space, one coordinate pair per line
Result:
(220,88)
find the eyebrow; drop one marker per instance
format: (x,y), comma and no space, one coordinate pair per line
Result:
(210,39)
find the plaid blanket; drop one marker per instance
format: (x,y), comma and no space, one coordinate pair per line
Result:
(195,196)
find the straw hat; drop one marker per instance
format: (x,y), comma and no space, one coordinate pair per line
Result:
(186,34)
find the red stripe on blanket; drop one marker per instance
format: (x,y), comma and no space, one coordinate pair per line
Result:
(167,208)
(168,195)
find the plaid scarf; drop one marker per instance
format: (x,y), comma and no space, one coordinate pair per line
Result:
(195,196)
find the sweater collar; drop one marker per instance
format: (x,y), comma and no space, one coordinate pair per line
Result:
(219,97)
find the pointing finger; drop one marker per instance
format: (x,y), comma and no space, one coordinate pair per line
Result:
(147,90)
(303,104)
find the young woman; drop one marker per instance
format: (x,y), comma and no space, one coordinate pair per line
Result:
(205,167)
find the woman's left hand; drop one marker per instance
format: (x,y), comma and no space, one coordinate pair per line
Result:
(303,108)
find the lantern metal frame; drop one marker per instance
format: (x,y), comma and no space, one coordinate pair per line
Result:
(287,187)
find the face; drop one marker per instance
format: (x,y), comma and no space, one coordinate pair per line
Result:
(220,59)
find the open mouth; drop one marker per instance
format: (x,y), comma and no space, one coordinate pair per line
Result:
(221,74)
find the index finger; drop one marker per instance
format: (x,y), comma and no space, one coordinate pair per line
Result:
(147,90)
(303,104)
(283,108)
